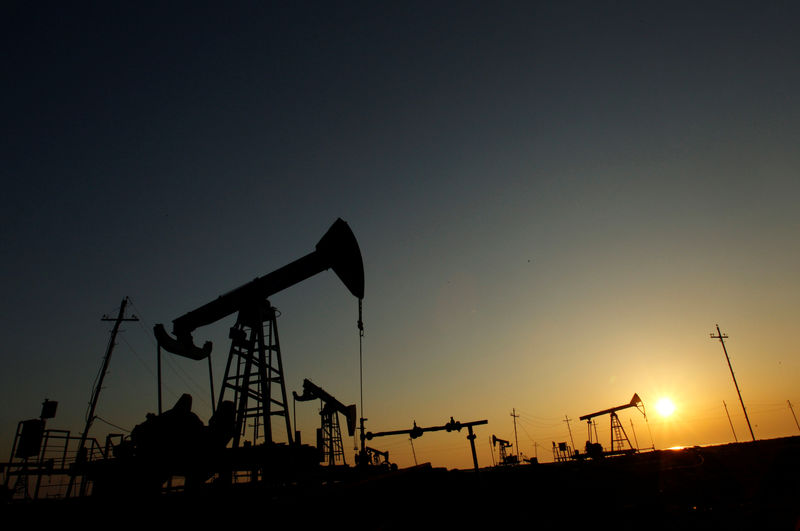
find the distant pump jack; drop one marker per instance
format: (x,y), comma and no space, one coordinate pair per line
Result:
(329,435)
(618,436)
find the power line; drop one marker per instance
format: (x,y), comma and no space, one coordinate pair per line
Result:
(101,419)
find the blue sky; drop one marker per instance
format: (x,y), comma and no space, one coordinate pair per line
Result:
(555,202)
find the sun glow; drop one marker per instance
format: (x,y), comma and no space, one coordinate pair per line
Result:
(665,407)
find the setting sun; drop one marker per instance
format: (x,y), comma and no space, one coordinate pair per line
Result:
(665,407)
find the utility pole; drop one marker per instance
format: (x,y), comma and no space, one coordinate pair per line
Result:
(722,338)
(793,415)
(567,419)
(729,421)
(516,441)
(81,456)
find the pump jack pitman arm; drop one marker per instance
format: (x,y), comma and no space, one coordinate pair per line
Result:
(337,250)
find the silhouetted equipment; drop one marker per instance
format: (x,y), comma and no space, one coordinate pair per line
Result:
(29,443)
(618,436)
(375,457)
(39,452)
(453,425)
(505,457)
(329,435)
(49,408)
(254,370)
(174,443)
(562,452)
(722,337)
(177,442)
(30,439)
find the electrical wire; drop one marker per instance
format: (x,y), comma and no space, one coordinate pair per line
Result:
(138,357)
(526,433)
(101,419)
(180,372)
(172,392)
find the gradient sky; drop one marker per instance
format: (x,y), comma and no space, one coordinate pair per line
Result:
(555,202)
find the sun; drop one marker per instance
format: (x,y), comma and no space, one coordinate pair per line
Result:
(665,407)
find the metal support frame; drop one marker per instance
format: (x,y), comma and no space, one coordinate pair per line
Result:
(254,374)
(506,456)
(54,461)
(331,446)
(503,455)
(562,452)
(618,436)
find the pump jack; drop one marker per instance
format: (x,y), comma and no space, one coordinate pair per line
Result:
(329,435)
(375,458)
(505,457)
(254,362)
(253,376)
(618,435)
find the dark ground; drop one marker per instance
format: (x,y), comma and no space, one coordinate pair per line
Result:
(752,485)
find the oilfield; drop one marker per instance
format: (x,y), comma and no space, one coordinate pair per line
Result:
(400,265)
(249,462)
